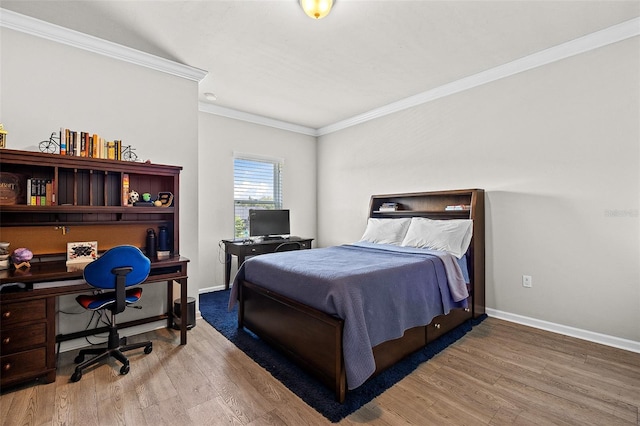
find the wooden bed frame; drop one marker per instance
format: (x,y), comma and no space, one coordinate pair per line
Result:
(313,338)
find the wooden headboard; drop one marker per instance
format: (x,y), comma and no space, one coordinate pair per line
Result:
(454,204)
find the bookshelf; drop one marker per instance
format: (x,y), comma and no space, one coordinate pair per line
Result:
(88,202)
(437,204)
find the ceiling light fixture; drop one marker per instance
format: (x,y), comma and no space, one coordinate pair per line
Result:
(316,9)
(210,96)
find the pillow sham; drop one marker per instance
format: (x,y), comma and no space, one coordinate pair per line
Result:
(453,236)
(386,231)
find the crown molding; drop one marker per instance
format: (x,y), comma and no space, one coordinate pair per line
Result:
(254,118)
(36,27)
(562,51)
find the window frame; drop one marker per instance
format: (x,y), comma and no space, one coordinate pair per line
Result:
(241,206)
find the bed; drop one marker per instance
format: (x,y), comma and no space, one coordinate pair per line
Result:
(382,298)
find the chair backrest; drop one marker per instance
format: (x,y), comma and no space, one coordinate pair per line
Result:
(99,273)
(288,246)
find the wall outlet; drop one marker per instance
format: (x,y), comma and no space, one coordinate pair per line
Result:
(527,281)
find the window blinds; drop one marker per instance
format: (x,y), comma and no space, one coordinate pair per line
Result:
(257,184)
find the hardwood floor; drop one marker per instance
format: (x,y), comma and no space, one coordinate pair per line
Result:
(499,374)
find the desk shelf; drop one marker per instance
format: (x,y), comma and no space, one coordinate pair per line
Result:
(87,192)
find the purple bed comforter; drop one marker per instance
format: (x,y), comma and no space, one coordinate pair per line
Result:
(379,290)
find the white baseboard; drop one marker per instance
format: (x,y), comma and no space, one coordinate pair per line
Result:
(210,289)
(590,336)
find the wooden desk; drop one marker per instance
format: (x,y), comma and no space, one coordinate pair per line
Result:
(28,330)
(245,248)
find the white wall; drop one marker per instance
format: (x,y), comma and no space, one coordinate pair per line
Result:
(557,150)
(45,85)
(220,137)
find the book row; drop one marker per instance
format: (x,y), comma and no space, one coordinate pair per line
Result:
(40,192)
(84,144)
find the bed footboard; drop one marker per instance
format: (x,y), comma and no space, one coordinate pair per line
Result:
(313,339)
(310,337)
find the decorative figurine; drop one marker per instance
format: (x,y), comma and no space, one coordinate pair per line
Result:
(134,197)
(51,146)
(165,198)
(21,257)
(3,137)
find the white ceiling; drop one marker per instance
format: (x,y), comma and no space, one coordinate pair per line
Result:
(266,57)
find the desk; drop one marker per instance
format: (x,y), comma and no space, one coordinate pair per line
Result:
(245,248)
(28,335)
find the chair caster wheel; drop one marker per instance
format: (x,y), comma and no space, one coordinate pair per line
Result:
(148,349)
(75,377)
(125,369)
(79,359)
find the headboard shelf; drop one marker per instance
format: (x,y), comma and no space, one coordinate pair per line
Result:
(440,205)
(426,203)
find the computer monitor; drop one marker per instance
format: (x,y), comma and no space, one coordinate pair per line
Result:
(268,223)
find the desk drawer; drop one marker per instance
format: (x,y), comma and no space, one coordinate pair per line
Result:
(17,339)
(22,364)
(259,249)
(14,313)
(277,246)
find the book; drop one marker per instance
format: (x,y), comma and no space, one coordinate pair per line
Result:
(12,188)
(125,189)
(111,150)
(43,192)
(48,193)
(388,207)
(95,143)
(77,145)
(63,141)
(29,191)
(34,192)
(83,144)
(457,207)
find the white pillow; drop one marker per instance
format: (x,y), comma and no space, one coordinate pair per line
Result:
(386,231)
(452,235)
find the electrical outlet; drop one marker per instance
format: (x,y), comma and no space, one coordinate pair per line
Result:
(527,281)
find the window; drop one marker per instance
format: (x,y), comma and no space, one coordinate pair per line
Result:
(257,184)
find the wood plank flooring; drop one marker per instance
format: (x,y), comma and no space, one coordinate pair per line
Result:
(499,374)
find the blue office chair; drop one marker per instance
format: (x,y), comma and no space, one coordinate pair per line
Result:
(117,269)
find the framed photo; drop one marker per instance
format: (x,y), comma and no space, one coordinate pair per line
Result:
(82,252)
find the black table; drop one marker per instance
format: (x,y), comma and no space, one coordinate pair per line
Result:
(245,248)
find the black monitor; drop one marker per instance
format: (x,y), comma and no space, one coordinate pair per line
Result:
(266,223)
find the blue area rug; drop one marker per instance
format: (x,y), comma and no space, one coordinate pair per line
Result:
(213,307)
